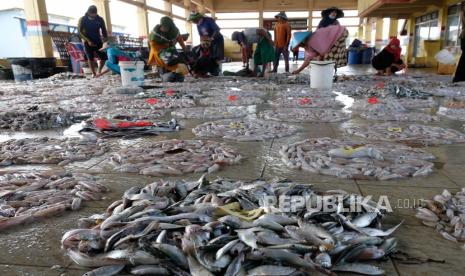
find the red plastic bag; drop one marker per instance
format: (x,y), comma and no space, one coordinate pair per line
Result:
(170,92)
(151,101)
(373,100)
(305,101)
(232,98)
(102,123)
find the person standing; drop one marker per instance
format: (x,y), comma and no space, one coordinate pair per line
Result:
(330,16)
(264,53)
(207,27)
(282,37)
(460,72)
(246,39)
(91,28)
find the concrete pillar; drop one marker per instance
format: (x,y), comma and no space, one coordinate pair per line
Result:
(411,32)
(201,7)
(310,15)
(260,14)
(379,33)
(368,29)
(169,8)
(143,20)
(103,9)
(37,28)
(188,9)
(393,28)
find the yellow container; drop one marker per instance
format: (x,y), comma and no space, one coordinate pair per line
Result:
(446,69)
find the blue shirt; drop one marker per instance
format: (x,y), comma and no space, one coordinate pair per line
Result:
(89,29)
(207,27)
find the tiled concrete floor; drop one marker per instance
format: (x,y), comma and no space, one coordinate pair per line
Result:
(34,249)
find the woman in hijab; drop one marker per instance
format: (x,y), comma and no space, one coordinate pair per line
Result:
(163,54)
(206,26)
(388,60)
(327,43)
(330,16)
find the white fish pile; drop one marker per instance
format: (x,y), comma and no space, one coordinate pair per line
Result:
(170,94)
(305,102)
(27,197)
(175,157)
(260,86)
(154,103)
(35,119)
(414,134)
(452,113)
(46,150)
(236,100)
(394,111)
(247,129)
(357,160)
(221,92)
(226,227)
(456,91)
(446,213)
(130,90)
(306,115)
(303,92)
(224,112)
(400,105)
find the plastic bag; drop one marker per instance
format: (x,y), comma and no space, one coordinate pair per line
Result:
(445,57)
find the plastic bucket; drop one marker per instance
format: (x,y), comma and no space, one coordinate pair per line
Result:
(355,56)
(321,74)
(132,73)
(367,55)
(21,73)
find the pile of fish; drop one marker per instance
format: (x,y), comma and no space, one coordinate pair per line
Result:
(390,90)
(412,134)
(224,112)
(228,227)
(236,100)
(309,115)
(260,86)
(393,111)
(240,93)
(305,102)
(169,93)
(175,157)
(26,197)
(446,213)
(357,160)
(34,119)
(154,103)
(46,150)
(123,90)
(303,92)
(247,129)
(452,113)
(456,91)
(400,105)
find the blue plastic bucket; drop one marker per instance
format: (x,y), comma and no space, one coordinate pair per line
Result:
(367,55)
(355,56)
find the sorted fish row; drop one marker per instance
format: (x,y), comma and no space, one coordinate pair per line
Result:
(27,197)
(247,129)
(236,100)
(305,102)
(224,112)
(452,113)
(175,157)
(446,213)
(398,105)
(413,134)
(46,150)
(356,159)
(221,92)
(304,91)
(228,227)
(306,115)
(34,119)
(154,103)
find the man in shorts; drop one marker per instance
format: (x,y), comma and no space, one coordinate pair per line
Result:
(91,29)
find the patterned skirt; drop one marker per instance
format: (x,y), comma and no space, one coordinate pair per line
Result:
(338,52)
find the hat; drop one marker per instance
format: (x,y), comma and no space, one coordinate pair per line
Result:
(299,37)
(326,12)
(194,16)
(282,15)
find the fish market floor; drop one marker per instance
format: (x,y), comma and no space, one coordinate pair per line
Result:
(34,249)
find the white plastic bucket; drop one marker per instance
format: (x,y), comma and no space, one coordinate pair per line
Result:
(21,73)
(132,73)
(321,74)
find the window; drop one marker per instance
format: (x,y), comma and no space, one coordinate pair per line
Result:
(154,18)
(426,28)
(238,24)
(159,4)
(291,14)
(453,26)
(236,15)
(350,18)
(178,11)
